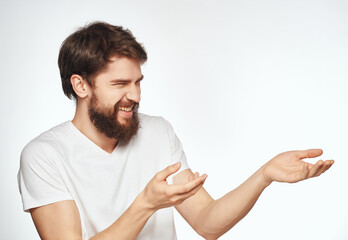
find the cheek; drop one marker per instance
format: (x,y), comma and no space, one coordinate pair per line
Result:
(110,97)
(113,98)
(116,100)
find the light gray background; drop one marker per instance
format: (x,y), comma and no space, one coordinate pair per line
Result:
(240,81)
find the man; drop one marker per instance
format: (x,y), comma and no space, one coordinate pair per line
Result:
(113,173)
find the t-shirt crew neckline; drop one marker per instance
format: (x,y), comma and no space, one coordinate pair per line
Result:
(91,143)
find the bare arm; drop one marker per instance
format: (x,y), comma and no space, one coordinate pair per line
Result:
(215,217)
(222,214)
(51,219)
(61,220)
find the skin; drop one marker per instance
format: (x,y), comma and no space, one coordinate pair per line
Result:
(209,218)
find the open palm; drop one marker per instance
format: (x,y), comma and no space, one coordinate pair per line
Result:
(289,167)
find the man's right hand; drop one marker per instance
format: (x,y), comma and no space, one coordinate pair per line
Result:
(159,194)
(61,220)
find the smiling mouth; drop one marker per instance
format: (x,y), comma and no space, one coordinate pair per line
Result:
(126,109)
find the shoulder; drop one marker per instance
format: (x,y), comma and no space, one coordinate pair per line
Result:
(148,121)
(155,127)
(152,126)
(154,123)
(42,147)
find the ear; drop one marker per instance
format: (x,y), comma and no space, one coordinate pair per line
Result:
(80,86)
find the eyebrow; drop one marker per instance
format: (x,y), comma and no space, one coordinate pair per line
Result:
(122,80)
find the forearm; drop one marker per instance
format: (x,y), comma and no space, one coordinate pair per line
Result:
(222,214)
(129,225)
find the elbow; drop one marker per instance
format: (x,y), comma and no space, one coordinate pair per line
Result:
(210,236)
(207,228)
(212,233)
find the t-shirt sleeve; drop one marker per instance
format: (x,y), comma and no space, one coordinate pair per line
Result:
(39,180)
(177,151)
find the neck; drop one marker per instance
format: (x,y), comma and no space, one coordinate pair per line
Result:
(82,122)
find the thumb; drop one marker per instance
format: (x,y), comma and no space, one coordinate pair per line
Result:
(310,153)
(162,175)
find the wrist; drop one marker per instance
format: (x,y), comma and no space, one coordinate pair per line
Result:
(144,204)
(265,179)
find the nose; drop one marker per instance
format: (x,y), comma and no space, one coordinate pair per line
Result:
(133,94)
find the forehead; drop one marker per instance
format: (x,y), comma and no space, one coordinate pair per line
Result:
(119,68)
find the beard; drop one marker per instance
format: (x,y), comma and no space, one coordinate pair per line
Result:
(105,120)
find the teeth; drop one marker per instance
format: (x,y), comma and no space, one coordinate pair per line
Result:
(126,109)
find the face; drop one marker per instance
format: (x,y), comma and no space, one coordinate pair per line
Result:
(114,101)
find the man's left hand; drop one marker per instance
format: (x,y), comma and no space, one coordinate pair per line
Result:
(289,167)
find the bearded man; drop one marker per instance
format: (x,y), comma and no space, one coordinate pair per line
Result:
(113,173)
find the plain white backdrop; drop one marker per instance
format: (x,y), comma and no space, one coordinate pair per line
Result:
(240,81)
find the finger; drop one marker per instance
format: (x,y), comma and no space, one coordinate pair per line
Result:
(328,164)
(320,169)
(193,177)
(314,170)
(162,175)
(181,197)
(184,188)
(194,190)
(309,153)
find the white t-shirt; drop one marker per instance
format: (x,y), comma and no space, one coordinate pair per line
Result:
(63,164)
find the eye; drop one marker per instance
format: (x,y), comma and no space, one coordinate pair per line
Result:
(119,84)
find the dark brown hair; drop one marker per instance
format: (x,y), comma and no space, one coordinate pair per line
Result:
(87,51)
